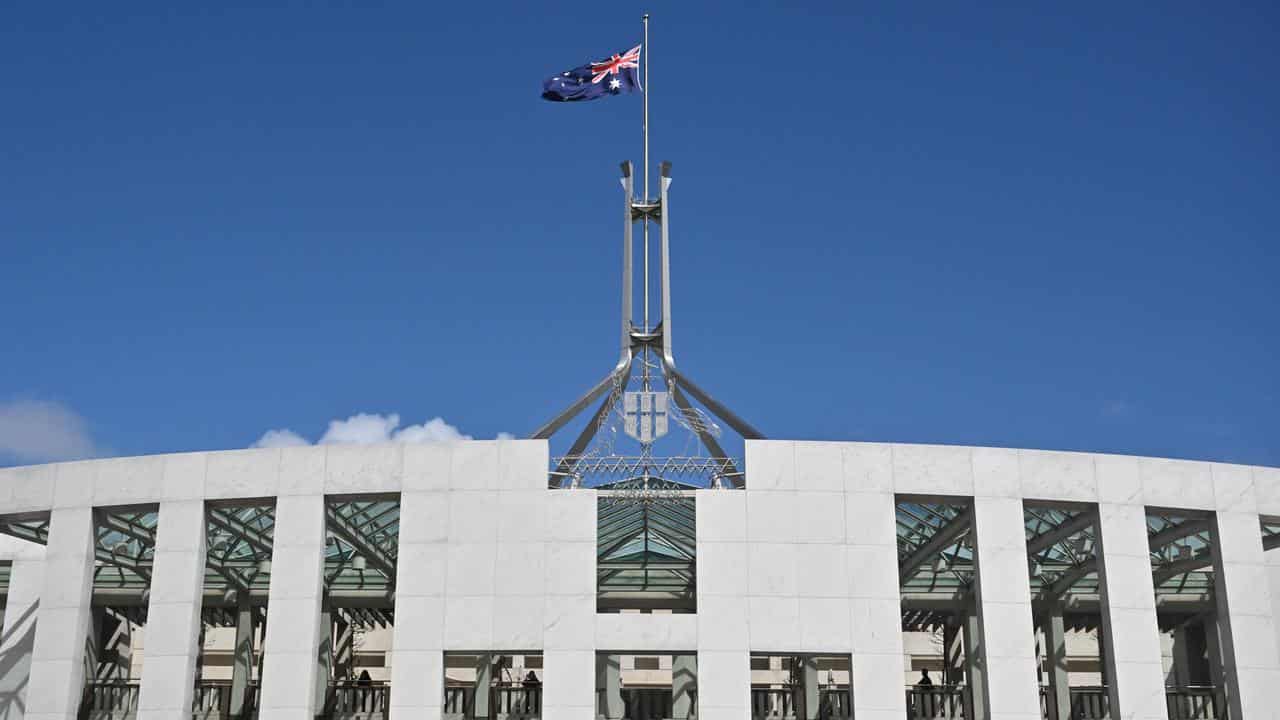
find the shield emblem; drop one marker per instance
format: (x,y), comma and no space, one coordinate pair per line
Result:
(646,415)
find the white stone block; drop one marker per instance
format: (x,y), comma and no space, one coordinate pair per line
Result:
(419,623)
(474,465)
(772,516)
(424,517)
(184,475)
(75,483)
(635,632)
(571,516)
(821,571)
(471,568)
(721,516)
(567,691)
(1057,475)
(819,466)
(473,517)
(29,489)
(287,685)
(995,473)
(1124,529)
(427,466)
(818,518)
(876,626)
(521,569)
(1233,488)
(1119,479)
(770,465)
(774,623)
(869,519)
(418,677)
(571,568)
(877,685)
(932,470)
(722,622)
(515,625)
(1266,490)
(524,464)
(468,622)
(568,622)
(522,515)
(355,469)
(421,569)
(724,682)
(868,467)
(242,473)
(128,481)
(302,470)
(824,624)
(722,568)
(1176,483)
(772,569)
(872,572)
(1133,587)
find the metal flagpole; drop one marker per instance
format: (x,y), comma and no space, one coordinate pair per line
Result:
(644,55)
(645,90)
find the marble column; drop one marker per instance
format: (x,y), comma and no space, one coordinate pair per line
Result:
(22,605)
(684,686)
(62,622)
(1055,638)
(1003,601)
(1250,660)
(1129,640)
(173,612)
(289,664)
(241,658)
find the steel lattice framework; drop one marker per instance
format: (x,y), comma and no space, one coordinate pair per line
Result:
(646,361)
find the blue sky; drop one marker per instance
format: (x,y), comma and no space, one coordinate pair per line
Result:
(1046,227)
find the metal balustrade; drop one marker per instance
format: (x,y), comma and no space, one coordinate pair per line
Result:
(773,704)
(357,700)
(212,701)
(938,702)
(1090,703)
(516,702)
(1193,703)
(109,701)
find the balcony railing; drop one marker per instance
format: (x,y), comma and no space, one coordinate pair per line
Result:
(938,702)
(1192,703)
(212,701)
(357,700)
(773,704)
(109,701)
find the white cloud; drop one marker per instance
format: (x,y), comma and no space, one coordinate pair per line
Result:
(33,431)
(280,438)
(371,428)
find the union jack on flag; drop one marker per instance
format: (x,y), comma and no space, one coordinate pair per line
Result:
(617,74)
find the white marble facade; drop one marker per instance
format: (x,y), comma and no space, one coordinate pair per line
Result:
(803,561)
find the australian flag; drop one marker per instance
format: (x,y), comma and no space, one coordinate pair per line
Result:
(614,76)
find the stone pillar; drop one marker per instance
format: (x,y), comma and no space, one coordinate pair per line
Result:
(1250,660)
(1055,641)
(684,686)
(1213,648)
(1129,639)
(241,657)
(812,693)
(567,690)
(1180,673)
(952,652)
(609,681)
(876,605)
(173,612)
(343,648)
(484,678)
(62,622)
(974,677)
(26,578)
(1003,601)
(324,654)
(293,610)
(417,646)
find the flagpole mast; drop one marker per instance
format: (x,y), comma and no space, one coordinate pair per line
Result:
(645,91)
